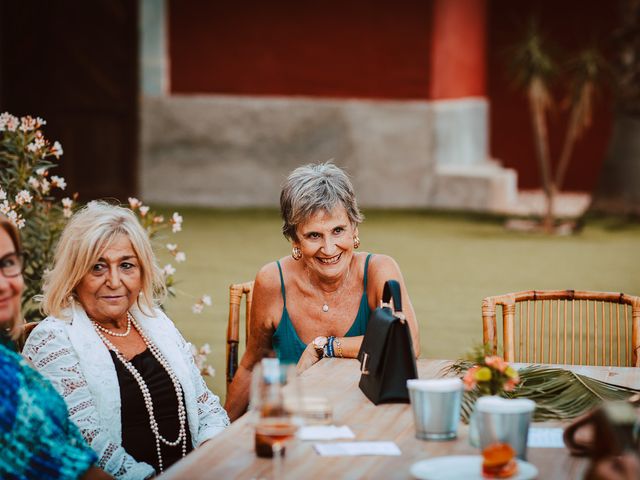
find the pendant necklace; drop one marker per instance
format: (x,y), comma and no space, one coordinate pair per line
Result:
(325,305)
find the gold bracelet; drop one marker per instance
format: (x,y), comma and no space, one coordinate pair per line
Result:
(338,347)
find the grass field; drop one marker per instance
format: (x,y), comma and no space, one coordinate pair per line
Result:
(450,262)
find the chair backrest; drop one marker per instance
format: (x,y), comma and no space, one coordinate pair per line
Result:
(565,326)
(236,292)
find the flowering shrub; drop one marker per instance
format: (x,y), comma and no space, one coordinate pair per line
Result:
(29,197)
(490,375)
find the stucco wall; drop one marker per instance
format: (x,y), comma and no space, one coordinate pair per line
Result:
(234,151)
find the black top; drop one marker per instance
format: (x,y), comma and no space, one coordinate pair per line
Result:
(137,438)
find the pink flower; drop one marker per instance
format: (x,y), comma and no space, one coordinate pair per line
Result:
(510,385)
(496,363)
(469,378)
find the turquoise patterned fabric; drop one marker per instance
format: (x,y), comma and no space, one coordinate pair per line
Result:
(37,439)
(287,343)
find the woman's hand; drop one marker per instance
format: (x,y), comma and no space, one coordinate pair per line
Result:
(308,358)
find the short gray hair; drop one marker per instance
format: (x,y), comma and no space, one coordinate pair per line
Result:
(89,232)
(315,187)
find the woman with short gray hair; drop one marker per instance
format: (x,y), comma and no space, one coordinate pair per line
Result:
(316,302)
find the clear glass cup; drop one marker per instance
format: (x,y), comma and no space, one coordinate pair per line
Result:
(275,409)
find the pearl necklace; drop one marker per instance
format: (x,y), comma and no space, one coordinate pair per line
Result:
(115,334)
(182,416)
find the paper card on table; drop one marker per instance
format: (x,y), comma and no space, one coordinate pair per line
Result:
(325,432)
(356,448)
(542,437)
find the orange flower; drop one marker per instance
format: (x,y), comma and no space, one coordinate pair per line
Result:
(510,385)
(496,362)
(469,378)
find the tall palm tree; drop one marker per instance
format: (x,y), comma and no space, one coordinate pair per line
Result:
(618,190)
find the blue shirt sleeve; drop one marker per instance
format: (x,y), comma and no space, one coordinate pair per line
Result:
(37,439)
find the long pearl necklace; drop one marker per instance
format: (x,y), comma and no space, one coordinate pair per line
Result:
(115,334)
(182,415)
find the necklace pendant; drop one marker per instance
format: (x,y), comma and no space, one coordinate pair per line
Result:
(325,308)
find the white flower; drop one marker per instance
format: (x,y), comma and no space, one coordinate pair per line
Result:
(171,247)
(56,149)
(45,186)
(16,219)
(134,203)
(12,123)
(169,270)
(67,202)
(32,147)
(41,171)
(66,212)
(158,219)
(206,299)
(58,182)
(33,183)
(27,123)
(176,221)
(20,223)
(3,194)
(143,210)
(40,122)
(23,197)
(197,308)
(205,349)
(208,371)
(5,208)
(181,257)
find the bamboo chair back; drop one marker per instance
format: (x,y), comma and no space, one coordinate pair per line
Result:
(236,292)
(565,326)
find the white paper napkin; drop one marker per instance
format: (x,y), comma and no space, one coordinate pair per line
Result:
(325,432)
(356,448)
(543,437)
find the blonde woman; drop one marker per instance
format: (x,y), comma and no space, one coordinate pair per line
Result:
(126,373)
(37,440)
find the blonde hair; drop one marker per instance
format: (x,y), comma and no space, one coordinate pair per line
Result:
(89,232)
(15,324)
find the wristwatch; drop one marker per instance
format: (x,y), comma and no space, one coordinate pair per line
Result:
(320,344)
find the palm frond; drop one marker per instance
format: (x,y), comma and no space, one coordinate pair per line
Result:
(559,394)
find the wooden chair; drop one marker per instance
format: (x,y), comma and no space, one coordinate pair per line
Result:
(565,326)
(236,292)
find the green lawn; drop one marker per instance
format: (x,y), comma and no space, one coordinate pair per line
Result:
(450,262)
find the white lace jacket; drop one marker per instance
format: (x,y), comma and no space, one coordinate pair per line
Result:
(70,354)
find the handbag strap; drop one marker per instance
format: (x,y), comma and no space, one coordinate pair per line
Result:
(392,290)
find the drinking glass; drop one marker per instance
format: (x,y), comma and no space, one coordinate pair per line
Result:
(275,407)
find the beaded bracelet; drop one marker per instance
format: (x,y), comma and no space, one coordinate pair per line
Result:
(330,346)
(338,347)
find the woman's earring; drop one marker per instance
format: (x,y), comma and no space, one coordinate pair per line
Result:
(296,253)
(356,242)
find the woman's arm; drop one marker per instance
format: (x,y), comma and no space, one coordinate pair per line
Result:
(381,269)
(267,301)
(52,354)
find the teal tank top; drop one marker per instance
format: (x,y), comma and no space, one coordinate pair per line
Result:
(287,343)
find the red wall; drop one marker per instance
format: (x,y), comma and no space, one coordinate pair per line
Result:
(458,60)
(408,49)
(571,24)
(332,48)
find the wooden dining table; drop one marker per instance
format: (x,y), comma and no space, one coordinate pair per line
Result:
(231,454)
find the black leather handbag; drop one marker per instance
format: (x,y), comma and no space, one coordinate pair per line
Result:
(386,356)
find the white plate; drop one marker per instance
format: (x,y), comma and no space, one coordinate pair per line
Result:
(467,467)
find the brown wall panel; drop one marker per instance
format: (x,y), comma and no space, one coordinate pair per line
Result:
(333,48)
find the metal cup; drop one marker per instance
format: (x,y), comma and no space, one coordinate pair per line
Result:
(502,420)
(436,407)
